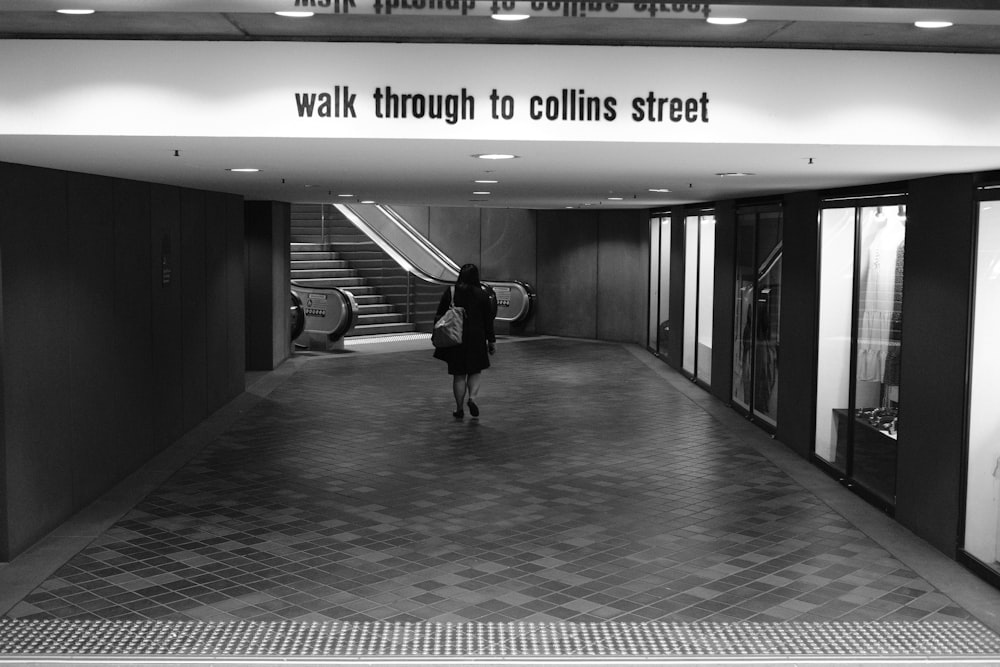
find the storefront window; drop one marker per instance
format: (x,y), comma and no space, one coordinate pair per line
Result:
(654,283)
(860,336)
(699,283)
(659,285)
(706,296)
(836,283)
(757,311)
(982,524)
(690,292)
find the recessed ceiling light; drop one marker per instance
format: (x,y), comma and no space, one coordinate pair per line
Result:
(933,24)
(659,190)
(368,201)
(510,17)
(245,170)
(482,192)
(726,20)
(345,195)
(734,173)
(485,181)
(615,198)
(295,15)
(495,156)
(76,12)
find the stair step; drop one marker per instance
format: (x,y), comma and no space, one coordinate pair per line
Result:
(375,308)
(299,274)
(365,295)
(302,246)
(307,264)
(381,318)
(362,255)
(348,284)
(376,329)
(375,263)
(353,245)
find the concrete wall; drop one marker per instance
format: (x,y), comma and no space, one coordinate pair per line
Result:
(593,269)
(588,268)
(122,312)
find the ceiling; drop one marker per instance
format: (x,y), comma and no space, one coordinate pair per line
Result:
(553,174)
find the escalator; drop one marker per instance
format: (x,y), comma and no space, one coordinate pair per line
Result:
(412,273)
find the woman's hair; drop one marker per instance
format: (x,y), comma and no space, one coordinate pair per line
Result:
(468,276)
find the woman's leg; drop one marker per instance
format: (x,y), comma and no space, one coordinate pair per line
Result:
(458,386)
(473,384)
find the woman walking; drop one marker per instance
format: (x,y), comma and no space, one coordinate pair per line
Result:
(468,360)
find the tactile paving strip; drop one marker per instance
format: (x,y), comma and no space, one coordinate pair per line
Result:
(24,638)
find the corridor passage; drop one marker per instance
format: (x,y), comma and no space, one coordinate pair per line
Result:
(597,487)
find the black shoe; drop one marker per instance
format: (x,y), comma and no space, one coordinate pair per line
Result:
(458,414)
(473,409)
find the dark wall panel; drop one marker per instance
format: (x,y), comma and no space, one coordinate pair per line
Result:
(90,308)
(508,245)
(622,276)
(104,354)
(236,286)
(457,232)
(216,292)
(267,301)
(132,375)
(724,300)
(509,253)
(165,248)
(193,305)
(36,280)
(567,274)
(797,328)
(937,284)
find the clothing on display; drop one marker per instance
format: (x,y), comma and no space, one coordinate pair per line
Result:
(881,309)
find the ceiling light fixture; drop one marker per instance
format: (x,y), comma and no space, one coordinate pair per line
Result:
(659,190)
(510,17)
(615,198)
(75,12)
(726,174)
(244,170)
(726,20)
(482,192)
(345,195)
(295,15)
(932,25)
(495,156)
(485,181)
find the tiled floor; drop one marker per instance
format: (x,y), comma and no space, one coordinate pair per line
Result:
(596,486)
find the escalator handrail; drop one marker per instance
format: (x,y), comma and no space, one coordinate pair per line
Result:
(350,306)
(448,270)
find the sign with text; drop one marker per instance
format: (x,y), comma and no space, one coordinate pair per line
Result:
(496,92)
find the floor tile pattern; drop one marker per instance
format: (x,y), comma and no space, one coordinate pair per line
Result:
(588,491)
(606,639)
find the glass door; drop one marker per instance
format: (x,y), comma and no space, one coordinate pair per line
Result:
(982,510)
(757,313)
(659,285)
(699,286)
(860,344)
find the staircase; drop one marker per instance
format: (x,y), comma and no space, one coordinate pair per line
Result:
(329,251)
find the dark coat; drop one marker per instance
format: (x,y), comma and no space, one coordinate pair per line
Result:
(472,356)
